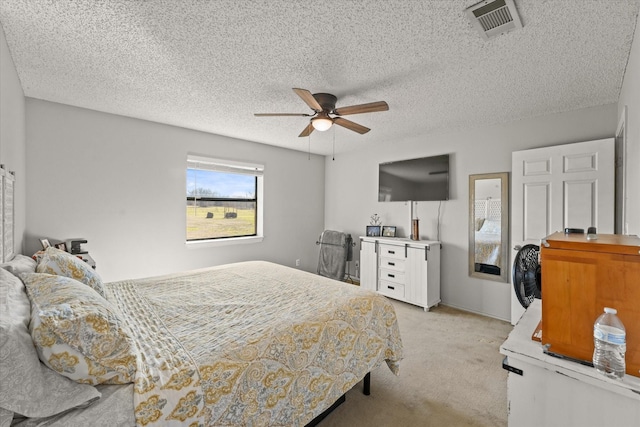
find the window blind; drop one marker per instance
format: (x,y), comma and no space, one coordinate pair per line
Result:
(221,165)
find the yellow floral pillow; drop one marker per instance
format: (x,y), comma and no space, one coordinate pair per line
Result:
(78,333)
(55,261)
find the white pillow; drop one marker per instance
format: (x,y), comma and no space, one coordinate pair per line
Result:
(491,227)
(20,264)
(27,386)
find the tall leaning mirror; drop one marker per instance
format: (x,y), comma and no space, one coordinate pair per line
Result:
(489,226)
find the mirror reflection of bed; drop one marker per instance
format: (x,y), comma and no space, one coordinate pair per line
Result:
(488,226)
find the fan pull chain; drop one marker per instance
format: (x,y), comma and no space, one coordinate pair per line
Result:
(334,144)
(309,154)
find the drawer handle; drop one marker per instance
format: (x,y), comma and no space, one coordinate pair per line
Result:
(392,252)
(391,275)
(391,263)
(391,287)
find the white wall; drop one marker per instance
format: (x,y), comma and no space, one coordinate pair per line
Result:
(488,188)
(630,96)
(351,190)
(120,183)
(12,135)
(127,228)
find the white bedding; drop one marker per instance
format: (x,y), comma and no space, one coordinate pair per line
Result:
(488,242)
(488,247)
(252,343)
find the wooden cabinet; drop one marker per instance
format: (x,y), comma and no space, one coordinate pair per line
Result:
(579,278)
(401,269)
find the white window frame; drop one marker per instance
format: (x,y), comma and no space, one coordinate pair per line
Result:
(234,166)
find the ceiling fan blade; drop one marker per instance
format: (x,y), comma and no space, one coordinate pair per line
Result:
(307,131)
(362,108)
(281,114)
(350,125)
(308,98)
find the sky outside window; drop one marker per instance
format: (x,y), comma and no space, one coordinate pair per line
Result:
(221,184)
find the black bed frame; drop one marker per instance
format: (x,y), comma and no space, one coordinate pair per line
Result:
(366,390)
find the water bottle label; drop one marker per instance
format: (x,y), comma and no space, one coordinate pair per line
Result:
(609,334)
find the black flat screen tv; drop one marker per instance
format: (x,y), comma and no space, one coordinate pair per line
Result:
(422,179)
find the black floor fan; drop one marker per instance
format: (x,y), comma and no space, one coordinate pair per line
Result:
(526,274)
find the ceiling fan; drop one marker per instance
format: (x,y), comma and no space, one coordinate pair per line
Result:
(324,107)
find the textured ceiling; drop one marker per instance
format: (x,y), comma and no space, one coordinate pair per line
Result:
(209,65)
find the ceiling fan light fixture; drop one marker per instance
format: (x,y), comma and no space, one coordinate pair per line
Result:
(322,122)
(324,104)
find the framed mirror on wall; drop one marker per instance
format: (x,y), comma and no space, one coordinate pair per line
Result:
(489,226)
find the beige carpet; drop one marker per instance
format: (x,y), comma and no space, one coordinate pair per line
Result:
(451,375)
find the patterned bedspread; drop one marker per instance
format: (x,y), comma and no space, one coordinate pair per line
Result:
(488,249)
(251,344)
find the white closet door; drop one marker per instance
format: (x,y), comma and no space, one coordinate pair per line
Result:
(558,187)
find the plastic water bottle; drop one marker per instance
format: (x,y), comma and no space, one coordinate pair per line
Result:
(609,340)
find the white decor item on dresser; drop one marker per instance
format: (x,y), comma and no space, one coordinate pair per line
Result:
(402,269)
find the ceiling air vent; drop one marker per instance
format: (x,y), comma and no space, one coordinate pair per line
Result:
(492,18)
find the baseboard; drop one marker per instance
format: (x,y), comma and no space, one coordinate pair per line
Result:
(476,312)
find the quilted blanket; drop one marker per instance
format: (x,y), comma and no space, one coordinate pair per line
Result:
(488,249)
(251,344)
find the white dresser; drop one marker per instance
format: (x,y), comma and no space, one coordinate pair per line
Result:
(547,391)
(402,269)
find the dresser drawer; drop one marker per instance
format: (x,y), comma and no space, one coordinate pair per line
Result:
(392,264)
(391,251)
(391,276)
(391,289)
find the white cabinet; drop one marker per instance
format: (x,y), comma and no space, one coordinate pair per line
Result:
(368,265)
(391,271)
(543,390)
(401,269)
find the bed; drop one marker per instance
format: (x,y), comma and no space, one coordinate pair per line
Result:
(251,343)
(488,244)
(487,215)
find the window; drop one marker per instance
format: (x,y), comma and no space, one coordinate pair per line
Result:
(224,199)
